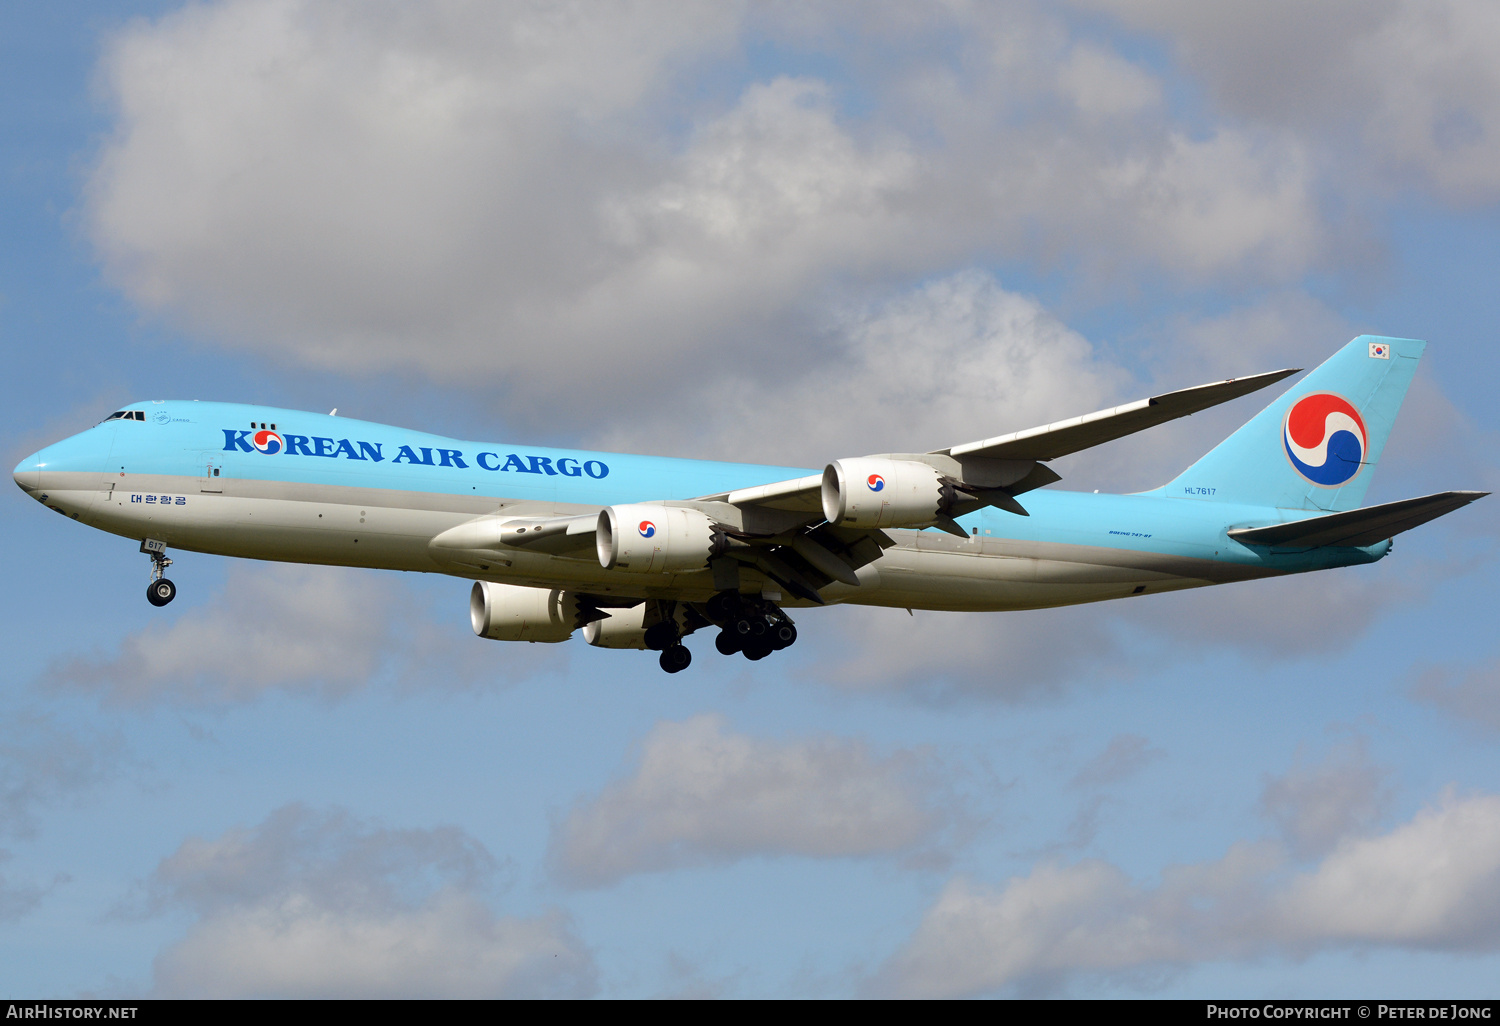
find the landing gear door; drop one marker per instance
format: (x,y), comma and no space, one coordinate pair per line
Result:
(211,481)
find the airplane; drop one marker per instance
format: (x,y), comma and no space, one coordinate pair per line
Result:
(639,552)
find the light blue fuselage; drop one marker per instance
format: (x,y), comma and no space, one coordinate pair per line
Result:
(355,493)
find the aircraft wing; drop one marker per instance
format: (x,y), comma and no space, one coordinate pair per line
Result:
(1357,526)
(780,528)
(799,495)
(1068,436)
(1000,468)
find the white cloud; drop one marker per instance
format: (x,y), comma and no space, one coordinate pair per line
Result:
(1207,205)
(1013,656)
(388,175)
(1431,883)
(501,194)
(1124,756)
(16,900)
(1407,90)
(452,946)
(322,905)
(42,762)
(954,360)
(1318,805)
(702,795)
(1472,695)
(316,629)
(1102,83)
(1030,655)
(319,631)
(1281,618)
(1056,921)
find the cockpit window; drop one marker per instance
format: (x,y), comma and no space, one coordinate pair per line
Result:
(127,415)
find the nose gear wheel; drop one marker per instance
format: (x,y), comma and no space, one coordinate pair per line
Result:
(160,591)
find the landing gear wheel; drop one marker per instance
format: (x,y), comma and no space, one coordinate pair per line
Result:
(661,636)
(781,635)
(748,627)
(724,606)
(757,648)
(728,642)
(676,658)
(160,591)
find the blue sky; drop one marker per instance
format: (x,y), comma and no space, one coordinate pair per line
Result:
(748,232)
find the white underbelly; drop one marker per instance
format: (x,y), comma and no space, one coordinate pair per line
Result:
(976,581)
(397,538)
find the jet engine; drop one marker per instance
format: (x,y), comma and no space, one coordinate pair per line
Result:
(654,539)
(870,493)
(508,612)
(622,628)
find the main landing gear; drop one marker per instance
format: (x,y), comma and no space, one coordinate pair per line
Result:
(675,658)
(663,637)
(749,625)
(160,591)
(753,628)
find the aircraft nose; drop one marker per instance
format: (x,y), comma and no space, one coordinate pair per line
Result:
(28,473)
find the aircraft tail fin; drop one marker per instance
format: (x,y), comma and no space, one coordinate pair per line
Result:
(1317,445)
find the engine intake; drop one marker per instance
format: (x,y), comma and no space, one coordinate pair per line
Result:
(509,612)
(647,539)
(870,493)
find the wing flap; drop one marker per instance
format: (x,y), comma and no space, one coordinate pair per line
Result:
(1357,527)
(1067,436)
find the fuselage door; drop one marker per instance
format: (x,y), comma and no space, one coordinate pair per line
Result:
(212,481)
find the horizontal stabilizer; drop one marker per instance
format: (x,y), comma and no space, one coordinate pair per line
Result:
(1066,436)
(1357,527)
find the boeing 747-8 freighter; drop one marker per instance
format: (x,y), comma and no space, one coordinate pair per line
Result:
(641,552)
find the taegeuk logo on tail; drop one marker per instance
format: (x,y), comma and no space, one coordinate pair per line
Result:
(1325,439)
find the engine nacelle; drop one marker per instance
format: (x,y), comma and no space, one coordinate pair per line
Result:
(622,628)
(871,493)
(508,612)
(645,539)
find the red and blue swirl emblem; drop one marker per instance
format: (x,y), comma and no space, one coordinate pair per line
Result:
(1325,439)
(876,482)
(268,442)
(647,529)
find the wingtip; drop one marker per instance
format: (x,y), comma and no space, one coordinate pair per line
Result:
(1265,378)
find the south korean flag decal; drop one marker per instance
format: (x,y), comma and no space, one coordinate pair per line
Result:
(1380,351)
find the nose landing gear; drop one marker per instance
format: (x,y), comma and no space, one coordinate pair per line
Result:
(160,591)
